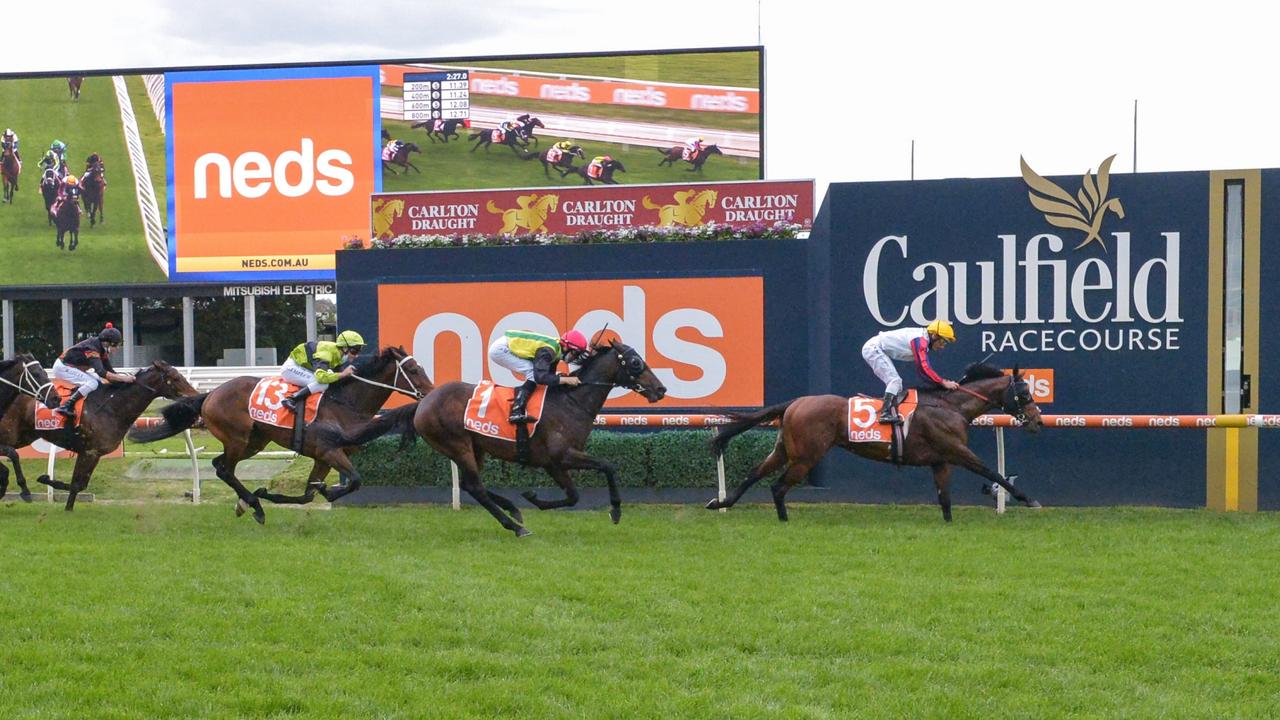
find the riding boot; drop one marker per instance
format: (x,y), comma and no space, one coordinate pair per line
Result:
(298,404)
(889,410)
(291,403)
(520,402)
(68,408)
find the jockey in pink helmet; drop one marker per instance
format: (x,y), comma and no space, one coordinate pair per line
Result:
(534,357)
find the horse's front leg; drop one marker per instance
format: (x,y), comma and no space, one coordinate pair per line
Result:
(315,481)
(942,481)
(561,476)
(965,458)
(23,491)
(575,459)
(386,167)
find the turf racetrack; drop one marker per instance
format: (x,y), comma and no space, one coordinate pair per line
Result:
(131,611)
(39,110)
(453,166)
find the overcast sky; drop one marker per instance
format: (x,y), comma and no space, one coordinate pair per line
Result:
(847,89)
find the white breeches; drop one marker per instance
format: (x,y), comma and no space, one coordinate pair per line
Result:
(86,382)
(882,366)
(502,355)
(295,374)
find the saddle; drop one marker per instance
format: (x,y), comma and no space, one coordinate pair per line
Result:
(489,408)
(46,419)
(266,403)
(863,421)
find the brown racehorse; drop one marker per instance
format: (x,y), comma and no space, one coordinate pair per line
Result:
(485,138)
(443,129)
(557,445)
(93,183)
(674,154)
(73,84)
(401,158)
(9,168)
(609,167)
(939,436)
(563,163)
(49,189)
(23,375)
(109,412)
(67,217)
(351,401)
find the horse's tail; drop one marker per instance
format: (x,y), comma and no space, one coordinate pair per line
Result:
(663,150)
(399,420)
(742,423)
(178,416)
(424,123)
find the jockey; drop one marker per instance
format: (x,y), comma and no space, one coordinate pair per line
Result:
(59,148)
(561,149)
(85,364)
(914,344)
(508,127)
(534,357)
(393,147)
(64,189)
(10,141)
(312,366)
(693,146)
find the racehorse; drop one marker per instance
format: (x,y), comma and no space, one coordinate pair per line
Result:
(354,400)
(108,414)
(557,446)
(49,189)
(67,218)
(485,138)
(939,437)
(671,155)
(563,162)
(445,130)
(9,169)
(23,375)
(73,84)
(401,158)
(608,168)
(525,129)
(94,185)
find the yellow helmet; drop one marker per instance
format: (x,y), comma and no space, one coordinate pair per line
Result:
(942,329)
(350,339)
(71,181)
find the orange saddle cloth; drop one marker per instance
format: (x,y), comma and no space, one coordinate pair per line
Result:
(46,418)
(266,403)
(490,406)
(864,418)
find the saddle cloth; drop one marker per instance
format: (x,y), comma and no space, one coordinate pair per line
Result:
(864,418)
(266,403)
(499,136)
(46,418)
(595,170)
(688,155)
(554,155)
(490,406)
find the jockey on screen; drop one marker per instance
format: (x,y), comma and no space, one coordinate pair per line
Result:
(69,185)
(10,141)
(86,364)
(692,147)
(906,344)
(534,357)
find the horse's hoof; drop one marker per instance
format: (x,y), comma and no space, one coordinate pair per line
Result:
(25,496)
(1034,504)
(260,516)
(713,504)
(523,532)
(260,492)
(615,514)
(241,506)
(44,480)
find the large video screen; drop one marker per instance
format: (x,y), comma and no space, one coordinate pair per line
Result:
(260,173)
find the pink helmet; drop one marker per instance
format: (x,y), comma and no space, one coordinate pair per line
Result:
(574,340)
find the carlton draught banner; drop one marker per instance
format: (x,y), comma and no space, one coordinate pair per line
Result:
(570,210)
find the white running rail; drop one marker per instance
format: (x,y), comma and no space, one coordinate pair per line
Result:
(155,91)
(152,225)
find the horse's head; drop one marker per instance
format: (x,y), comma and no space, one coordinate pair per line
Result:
(533,123)
(712,150)
(164,380)
(621,365)
(397,369)
(26,375)
(412,148)
(615,165)
(1018,402)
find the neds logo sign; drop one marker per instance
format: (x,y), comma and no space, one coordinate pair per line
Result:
(253,174)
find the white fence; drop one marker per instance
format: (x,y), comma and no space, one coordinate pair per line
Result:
(152,225)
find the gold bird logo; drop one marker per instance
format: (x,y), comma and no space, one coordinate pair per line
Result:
(1083,212)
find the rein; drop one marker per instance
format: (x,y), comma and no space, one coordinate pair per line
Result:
(395,383)
(28,378)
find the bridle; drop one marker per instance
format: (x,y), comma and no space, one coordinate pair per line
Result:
(624,362)
(395,384)
(27,383)
(1009,403)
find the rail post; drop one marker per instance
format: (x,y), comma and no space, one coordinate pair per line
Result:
(457,486)
(997,489)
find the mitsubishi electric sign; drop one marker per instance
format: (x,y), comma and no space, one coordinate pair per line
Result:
(1098,277)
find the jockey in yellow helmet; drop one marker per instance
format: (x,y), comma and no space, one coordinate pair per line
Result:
(906,344)
(314,365)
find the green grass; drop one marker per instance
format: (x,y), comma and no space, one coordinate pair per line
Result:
(152,139)
(731,69)
(454,167)
(169,611)
(113,252)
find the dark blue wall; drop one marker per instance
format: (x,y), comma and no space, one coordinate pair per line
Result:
(1267,395)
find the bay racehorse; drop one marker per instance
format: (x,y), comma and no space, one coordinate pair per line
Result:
(108,414)
(9,168)
(443,129)
(49,189)
(225,411)
(23,375)
(939,436)
(485,138)
(563,161)
(674,154)
(93,184)
(558,444)
(526,127)
(73,85)
(607,169)
(67,217)
(401,158)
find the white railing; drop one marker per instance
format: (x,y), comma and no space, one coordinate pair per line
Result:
(152,225)
(155,91)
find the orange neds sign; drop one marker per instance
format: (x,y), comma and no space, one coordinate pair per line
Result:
(269,174)
(702,337)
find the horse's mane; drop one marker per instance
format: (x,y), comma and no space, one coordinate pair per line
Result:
(980,371)
(6,364)
(370,365)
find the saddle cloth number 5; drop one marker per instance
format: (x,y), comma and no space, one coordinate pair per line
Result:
(864,412)
(271,395)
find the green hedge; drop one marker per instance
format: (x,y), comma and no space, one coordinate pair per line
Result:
(665,459)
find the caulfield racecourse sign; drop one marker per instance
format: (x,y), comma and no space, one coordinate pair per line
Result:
(1108,283)
(571,210)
